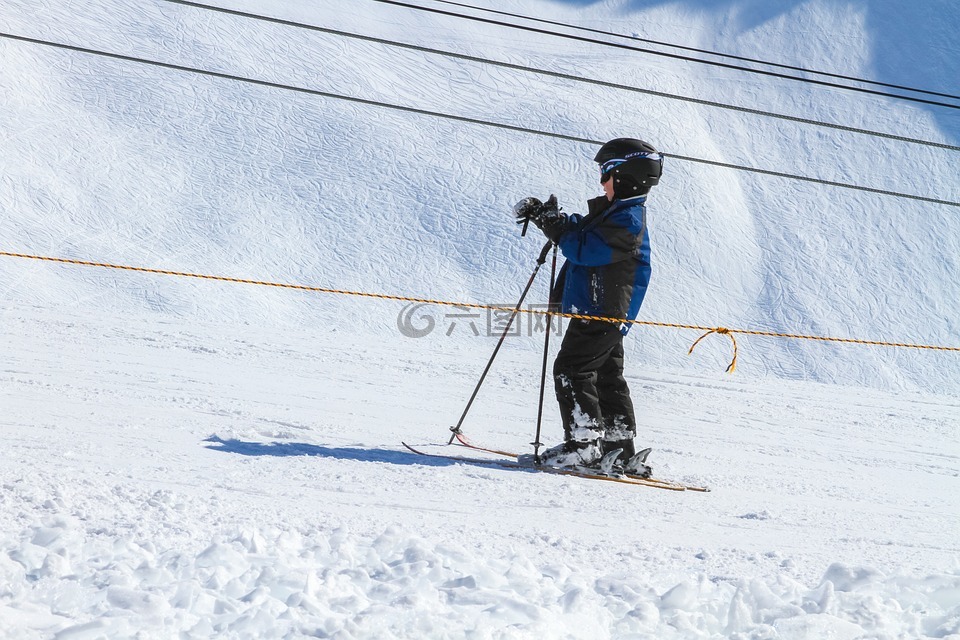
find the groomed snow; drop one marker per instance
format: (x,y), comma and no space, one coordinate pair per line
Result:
(183,458)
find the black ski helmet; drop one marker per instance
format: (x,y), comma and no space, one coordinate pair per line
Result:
(640,168)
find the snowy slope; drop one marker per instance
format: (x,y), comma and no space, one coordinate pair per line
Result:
(202,174)
(214,459)
(230,481)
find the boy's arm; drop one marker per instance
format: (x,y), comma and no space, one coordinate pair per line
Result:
(610,240)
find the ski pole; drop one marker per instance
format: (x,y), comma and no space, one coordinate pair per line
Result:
(540,261)
(546,349)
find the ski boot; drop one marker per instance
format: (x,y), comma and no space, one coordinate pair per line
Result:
(571,453)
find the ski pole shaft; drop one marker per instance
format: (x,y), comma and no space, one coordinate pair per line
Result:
(546,350)
(540,261)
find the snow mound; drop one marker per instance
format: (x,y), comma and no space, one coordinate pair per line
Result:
(68,575)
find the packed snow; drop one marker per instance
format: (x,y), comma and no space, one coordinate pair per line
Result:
(190,458)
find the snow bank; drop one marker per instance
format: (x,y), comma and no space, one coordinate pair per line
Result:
(74,573)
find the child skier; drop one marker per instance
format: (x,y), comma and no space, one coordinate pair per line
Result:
(606,274)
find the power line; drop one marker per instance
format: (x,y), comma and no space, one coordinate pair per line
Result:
(665,54)
(696,50)
(562,76)
(447,116)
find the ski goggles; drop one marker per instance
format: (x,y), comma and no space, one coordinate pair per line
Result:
(606,169)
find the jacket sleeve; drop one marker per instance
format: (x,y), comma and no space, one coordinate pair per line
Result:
(605,241)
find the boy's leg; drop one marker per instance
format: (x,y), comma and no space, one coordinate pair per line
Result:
(586,348)
(616,407)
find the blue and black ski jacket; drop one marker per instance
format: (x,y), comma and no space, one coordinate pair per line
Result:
(608,260)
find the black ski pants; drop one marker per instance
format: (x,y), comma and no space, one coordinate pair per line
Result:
(588,376)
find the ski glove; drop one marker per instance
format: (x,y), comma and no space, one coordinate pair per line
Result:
(546,215)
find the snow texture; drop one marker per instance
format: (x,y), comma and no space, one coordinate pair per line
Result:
(200,459)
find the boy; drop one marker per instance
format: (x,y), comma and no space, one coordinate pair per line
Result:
(606,274)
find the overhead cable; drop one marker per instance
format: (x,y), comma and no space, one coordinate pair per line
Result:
(664,54)
(447,116)
(562,76)
(696,50)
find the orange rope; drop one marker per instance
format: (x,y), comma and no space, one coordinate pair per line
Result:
(722,331)
(382,296)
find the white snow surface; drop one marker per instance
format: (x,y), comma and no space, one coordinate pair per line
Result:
(187,458)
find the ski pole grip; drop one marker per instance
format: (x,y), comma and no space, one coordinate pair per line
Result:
(544,252)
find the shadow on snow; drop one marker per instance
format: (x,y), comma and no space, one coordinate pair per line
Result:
(292,449)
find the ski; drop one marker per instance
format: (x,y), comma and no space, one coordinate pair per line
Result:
(462,439)
(572,471)
(466,442)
